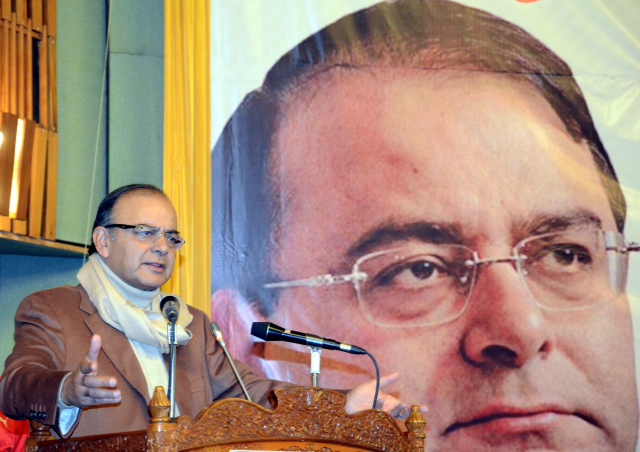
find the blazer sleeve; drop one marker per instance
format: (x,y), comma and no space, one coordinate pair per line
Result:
(34,370)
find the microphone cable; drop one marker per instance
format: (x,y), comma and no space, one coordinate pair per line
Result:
(375,364)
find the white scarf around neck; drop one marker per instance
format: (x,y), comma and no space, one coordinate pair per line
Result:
(138,317)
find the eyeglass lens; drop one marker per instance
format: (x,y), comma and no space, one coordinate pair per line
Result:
(148,234)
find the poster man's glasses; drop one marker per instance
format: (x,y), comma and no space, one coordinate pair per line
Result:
(427,284)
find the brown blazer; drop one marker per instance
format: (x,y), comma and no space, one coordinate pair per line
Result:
(53,333)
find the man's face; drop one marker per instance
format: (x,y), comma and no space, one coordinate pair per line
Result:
(144,265)
(489,158)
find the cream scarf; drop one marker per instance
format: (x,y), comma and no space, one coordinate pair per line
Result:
(133,311)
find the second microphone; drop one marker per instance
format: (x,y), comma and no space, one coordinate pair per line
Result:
(270,332)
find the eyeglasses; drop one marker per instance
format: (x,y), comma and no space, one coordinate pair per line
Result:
(427,284)
(148,234)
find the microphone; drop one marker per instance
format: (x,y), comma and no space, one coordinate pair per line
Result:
(169,305)
(271,332)
(217,333)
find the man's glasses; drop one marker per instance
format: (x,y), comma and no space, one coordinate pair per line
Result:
(426,284)
(148,234)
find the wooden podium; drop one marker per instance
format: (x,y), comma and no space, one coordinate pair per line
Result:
(304,419)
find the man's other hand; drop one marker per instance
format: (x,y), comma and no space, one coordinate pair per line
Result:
(361,398)
(85,388)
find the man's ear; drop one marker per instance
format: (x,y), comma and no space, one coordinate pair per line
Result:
(101,241)
(235,315)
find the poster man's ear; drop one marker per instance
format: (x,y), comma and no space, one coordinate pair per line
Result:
(235,315)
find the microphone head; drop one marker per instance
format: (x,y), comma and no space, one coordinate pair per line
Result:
(217,333)
(259,330)
(215,330)
(169,305)
(266,331)
(167,299)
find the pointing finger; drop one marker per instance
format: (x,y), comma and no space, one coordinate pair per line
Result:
(94,348)
(90,366)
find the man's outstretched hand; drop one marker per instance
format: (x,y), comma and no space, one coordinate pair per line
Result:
(85,387)
(360,398)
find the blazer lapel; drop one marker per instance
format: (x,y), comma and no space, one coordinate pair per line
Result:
(116,347)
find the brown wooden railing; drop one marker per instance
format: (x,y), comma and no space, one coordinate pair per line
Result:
(304,419)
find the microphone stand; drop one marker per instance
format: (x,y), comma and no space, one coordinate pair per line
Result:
(217,334)
(171,335)
(315,365)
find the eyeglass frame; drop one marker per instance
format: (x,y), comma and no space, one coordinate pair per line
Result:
(356,276)
(176,245)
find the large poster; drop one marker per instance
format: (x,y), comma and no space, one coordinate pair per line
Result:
(452,186)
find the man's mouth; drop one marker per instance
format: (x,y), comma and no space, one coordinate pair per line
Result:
(156,265)
(512,420)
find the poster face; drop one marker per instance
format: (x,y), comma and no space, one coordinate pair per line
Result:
(446,185)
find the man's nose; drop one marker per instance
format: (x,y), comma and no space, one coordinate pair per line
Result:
(505,327)
(161,245)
